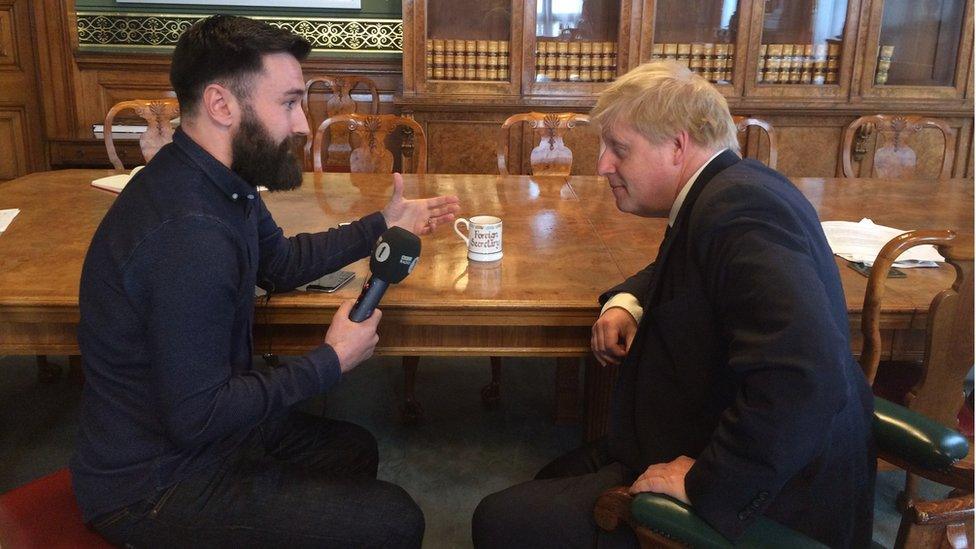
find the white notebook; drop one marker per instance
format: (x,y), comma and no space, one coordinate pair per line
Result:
(115,183)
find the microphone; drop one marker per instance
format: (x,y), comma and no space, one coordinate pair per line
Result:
(394,257)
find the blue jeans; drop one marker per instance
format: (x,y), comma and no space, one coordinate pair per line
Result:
(299,481)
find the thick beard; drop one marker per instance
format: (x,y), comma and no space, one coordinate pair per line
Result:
(259,161)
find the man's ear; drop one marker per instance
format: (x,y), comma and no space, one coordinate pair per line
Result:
(680,146)
(220,106)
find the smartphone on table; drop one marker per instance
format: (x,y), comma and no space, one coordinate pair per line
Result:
(330,282)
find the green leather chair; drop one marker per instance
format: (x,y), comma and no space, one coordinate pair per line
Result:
(905,438)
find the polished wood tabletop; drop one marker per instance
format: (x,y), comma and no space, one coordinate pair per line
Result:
(564,243)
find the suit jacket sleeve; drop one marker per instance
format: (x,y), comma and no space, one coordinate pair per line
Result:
(637,285)
(784,348)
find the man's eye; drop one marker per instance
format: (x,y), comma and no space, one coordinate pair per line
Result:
(290,104)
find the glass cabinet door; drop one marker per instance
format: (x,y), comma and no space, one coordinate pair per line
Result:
(468,45)
(805,46)
(700,34)
(917,47)
(575,46)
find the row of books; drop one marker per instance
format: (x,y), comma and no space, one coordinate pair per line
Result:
(575,61)
(457,59)
(884,63)
(712,61)
(799,63)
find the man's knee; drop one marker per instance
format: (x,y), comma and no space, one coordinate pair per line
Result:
(360,439)
(496,519)
(399,521)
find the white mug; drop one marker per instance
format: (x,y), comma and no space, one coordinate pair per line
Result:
(484,238)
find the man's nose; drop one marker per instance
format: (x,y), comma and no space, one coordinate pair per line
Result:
(605,165)
(300,125)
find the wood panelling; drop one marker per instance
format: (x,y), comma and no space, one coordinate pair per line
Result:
(456,146)
(808,150)
(20,114)
(13,159)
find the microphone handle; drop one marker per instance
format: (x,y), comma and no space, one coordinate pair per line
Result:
(369,298)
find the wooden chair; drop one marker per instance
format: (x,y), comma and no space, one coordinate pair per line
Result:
(340,101)
(743,123)
(371,155)
(893,157)
(901,435)
(158,114)
(551,156)
(936,385)
(918,438)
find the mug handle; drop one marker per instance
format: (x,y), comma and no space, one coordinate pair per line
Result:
(467,227)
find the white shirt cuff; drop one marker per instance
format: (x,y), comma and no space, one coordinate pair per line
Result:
(626,302)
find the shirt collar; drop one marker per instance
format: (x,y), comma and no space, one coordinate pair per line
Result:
(226,180)
(676,207)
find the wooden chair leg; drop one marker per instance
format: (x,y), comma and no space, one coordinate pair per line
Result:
(491,393)
(906,498)
(75,372)
(411,410)
(47,372)
(567,391)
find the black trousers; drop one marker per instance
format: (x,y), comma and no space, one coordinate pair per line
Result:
(299,481)
(556,508)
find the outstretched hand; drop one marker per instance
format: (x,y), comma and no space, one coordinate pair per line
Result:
(419,216)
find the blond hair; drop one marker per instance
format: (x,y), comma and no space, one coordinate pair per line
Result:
(660,99)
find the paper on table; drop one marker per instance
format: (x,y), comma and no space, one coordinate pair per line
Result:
(861,242)
(115,183)
(6,216)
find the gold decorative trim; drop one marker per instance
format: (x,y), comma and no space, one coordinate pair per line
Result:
(98,30)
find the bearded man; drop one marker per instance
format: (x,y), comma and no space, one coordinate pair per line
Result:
(182,441)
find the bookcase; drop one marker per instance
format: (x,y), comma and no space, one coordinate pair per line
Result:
(809,67)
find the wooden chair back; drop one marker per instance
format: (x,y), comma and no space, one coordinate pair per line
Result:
(158,114)
(551,156)
(949,327)
(371,131)
(743,123)
(893,156)
(339,101)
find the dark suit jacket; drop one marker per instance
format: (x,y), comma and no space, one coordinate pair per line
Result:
(742,361)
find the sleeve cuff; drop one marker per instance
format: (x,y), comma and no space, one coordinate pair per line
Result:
(326,364)
(626,302)
(375,225)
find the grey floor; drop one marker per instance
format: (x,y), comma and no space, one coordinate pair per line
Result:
(448,462)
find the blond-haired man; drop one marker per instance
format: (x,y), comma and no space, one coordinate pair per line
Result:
(738,393)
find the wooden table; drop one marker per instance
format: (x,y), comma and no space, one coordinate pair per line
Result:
(564,243)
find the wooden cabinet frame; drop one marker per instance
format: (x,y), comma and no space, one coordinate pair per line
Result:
(415,80)
(873,12)
(839,91)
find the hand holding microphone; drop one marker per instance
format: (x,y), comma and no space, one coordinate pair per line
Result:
(394,257)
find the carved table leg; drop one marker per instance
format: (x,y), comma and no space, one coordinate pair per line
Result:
(47,372)
(598,385)
(411,409)
(491,393)
(567,391)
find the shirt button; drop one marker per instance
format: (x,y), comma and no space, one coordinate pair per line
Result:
(743,515)
(250,197)
(234,196)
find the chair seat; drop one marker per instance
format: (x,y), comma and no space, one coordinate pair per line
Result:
(44,514)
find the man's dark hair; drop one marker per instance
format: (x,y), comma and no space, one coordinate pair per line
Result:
(227,49)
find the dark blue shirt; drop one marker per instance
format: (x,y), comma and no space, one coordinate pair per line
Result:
(167,307)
